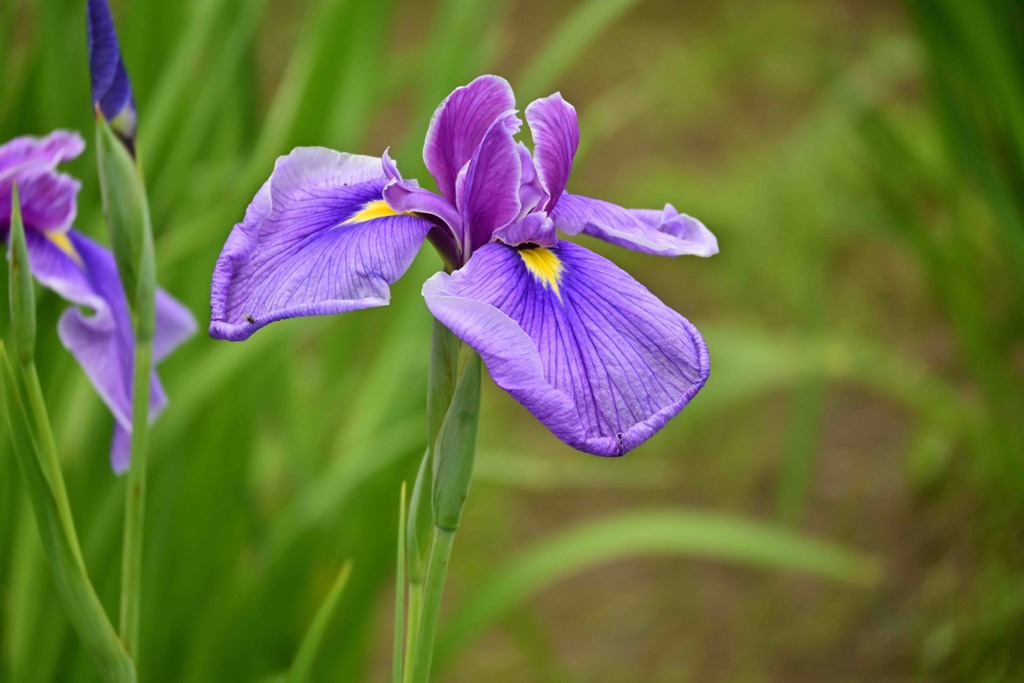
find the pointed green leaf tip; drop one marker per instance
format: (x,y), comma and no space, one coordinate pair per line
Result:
(22,293)
(302,667)
(126,210)
(455,449)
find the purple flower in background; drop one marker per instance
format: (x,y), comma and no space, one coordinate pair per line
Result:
(112,96)
(84,273)
(596,357)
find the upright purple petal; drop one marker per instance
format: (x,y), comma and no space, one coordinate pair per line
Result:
(100,337)
(556,136)
(663,233)
(48,198)
(589,351)
(532,194)
(458,126)
(27,152)
(111,89)
(487,189)
(317,239)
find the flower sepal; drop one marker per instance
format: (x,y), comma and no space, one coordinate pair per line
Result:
(126,211)
(455,448)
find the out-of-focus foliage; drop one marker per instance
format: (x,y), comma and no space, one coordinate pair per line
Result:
(861,164)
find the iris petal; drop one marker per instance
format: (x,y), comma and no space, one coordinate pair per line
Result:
(664,233)
(556,137)
(101,338)
(589,351)
(25,152)
(487,189)
(299,253)
(458,126)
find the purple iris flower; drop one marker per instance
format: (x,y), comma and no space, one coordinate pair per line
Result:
(596,357)
(112,96)
(84,273)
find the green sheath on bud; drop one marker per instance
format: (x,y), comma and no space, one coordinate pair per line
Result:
(22,292)
(456,448)
(126,210)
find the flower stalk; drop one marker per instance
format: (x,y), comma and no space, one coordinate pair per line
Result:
(453,455)
(126,209)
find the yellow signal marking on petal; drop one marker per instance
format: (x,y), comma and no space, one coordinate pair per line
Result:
(378,208)
(61,241)
(545,265)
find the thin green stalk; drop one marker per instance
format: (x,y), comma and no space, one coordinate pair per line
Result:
(135,501)
(454,453)
(412,627)
(437,572)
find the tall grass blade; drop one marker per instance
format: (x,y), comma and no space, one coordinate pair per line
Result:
(673,532)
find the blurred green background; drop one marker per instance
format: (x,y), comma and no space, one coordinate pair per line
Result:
(862,164)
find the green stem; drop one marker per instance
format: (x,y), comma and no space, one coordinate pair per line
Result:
(47,449)
(437,572)
(135,501)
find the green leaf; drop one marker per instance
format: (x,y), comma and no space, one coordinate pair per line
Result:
(661,532)
(69,573)
(303,665)
(22,293)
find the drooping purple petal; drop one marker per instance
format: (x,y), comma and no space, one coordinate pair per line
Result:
(100,337)
(458,126)
(535,228)
(27,151)
(556,136)
(664,233)
(487,189)
(588,350)
(406,196)
(111,89)
(317,239)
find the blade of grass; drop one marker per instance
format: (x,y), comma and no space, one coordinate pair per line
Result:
(673,532)
(579,30)
(302,668)
(397,654)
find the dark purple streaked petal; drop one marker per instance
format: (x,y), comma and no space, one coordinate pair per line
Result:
(100,337)
(48,198)
(111,89)
(458,126)
(536,228)
(588,350)
(663,233)
(28,151)
(556,136)
(317,239)
(487,189)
